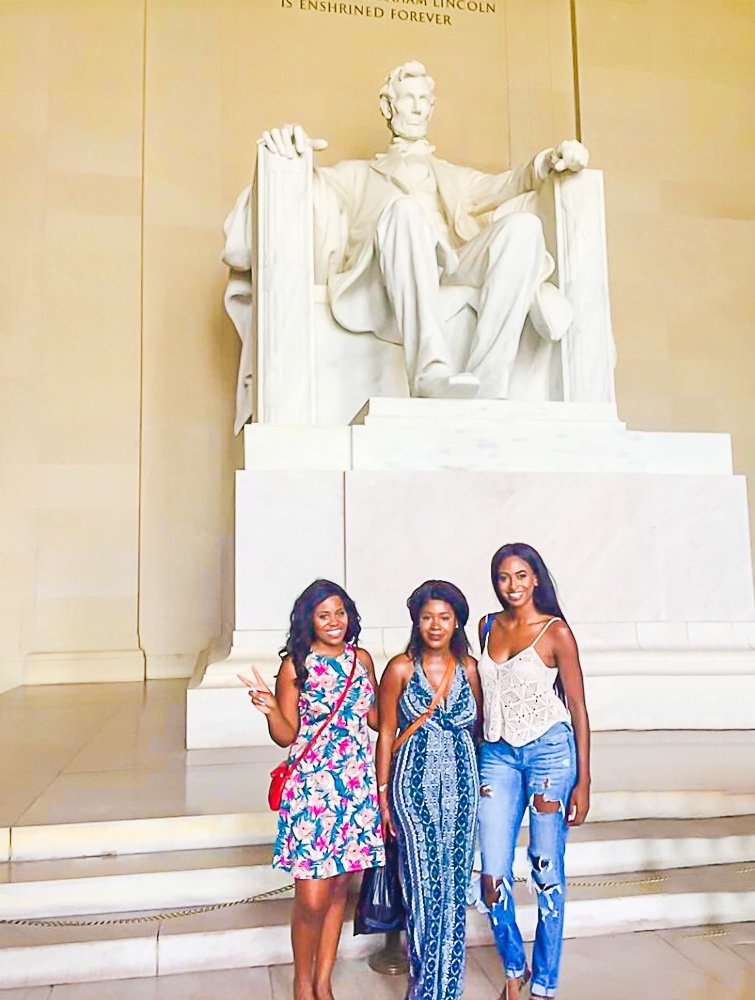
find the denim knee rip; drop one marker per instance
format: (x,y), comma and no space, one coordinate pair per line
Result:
(504,889)
(536,779)
(537,880)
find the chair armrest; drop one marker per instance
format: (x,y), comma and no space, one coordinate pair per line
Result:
(572,209)
(283,272)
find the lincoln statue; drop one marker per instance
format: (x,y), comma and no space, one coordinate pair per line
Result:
(392,232)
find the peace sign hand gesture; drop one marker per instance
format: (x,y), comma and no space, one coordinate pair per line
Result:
(261,696)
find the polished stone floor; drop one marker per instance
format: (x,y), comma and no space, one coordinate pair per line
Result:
(85,752)
(691,964)
(115,752)
(111,751)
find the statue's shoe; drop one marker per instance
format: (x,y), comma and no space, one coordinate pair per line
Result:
(464,385)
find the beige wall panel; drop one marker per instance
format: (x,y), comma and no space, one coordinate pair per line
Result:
(88,347)
(666,91)
(70,320)
(189,453)
(23,111)
(82,625)
(16,567)
(219,72)
(540,74)
(665,112)
(275,65)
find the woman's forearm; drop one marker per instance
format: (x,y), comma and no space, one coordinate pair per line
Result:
(581,724)
(280,729)
(383,759)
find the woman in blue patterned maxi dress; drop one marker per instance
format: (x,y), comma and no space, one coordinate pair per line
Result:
(429,790)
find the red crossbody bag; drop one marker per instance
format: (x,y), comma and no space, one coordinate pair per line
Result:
(280,775)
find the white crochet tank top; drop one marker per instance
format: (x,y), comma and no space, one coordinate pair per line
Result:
(519,701)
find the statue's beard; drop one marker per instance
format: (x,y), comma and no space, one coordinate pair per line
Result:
(409,130)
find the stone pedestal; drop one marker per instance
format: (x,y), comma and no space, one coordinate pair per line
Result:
(645,533)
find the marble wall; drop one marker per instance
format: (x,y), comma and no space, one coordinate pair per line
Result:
(70,335)
(623,548)
(128,127)
(666,94)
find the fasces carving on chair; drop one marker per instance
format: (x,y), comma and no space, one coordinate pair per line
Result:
(449,262)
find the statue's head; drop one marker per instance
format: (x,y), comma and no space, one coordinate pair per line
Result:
(406,100)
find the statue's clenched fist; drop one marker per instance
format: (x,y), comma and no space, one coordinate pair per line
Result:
(289,141)
(569,155)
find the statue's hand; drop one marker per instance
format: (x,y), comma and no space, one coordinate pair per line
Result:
(569,155)
(289,141)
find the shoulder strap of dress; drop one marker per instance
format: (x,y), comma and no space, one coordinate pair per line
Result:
(544,629)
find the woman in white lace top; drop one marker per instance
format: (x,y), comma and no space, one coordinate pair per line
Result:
(535,756)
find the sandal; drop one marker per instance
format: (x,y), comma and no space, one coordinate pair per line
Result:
(524,979)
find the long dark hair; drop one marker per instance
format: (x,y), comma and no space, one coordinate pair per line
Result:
(544,597)
(438,590)
(301,631)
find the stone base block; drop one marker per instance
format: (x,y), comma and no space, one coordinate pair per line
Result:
(485,435)
(622,548)
(638,676)
(647,537)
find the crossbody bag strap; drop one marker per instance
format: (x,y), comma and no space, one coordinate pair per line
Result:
(440,694)
(300,756)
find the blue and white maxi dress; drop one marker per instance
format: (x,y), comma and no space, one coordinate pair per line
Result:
(434,798)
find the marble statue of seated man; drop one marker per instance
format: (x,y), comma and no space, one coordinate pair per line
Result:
(391,231)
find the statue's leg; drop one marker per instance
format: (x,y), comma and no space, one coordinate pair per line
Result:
(406,249)
(504,262)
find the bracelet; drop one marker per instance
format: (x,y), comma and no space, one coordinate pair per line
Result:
(383,788)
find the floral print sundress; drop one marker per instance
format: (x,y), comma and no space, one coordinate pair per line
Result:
(329,819)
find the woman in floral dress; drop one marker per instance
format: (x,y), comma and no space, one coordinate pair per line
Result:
(329,820)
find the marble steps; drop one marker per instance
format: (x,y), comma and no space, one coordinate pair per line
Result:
(258,934)
(176,879)
(257,825)
(143,835)
(135,800)
(165,880)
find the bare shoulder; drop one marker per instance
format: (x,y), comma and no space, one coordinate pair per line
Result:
(561,635)
(286,677)
(396,676)
(364,657)
(399,666)
(287,670)
(470,666)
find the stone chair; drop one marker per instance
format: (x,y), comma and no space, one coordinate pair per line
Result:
(299,367)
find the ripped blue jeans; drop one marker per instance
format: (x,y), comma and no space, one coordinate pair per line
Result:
(513,779)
